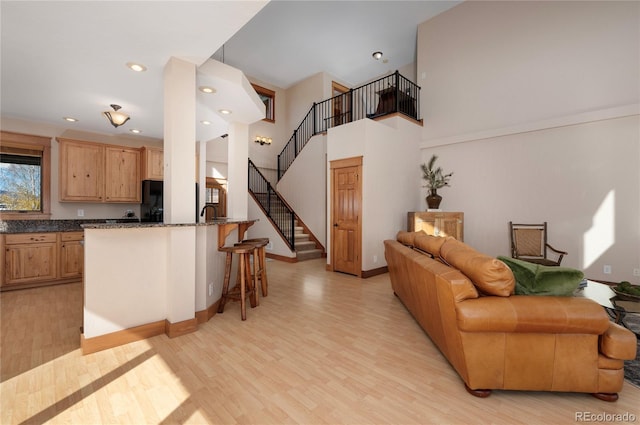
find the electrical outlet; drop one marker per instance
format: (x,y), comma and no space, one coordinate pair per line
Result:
(636,272)
(606,269)
(210,288)
(375,259)
(80,213)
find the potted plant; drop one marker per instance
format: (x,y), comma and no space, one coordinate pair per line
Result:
(435,178)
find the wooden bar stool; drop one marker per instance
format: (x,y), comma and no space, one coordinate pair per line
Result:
(246,285)
(260,263)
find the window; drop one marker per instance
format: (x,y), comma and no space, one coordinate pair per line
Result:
(25,164)
(268,97)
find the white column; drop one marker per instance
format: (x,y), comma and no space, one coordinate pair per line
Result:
(179,141)
(179,187)
(238,159)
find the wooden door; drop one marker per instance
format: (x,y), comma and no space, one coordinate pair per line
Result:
(216,195)
(341,104)
(346,215)
(71,254)
(30,257)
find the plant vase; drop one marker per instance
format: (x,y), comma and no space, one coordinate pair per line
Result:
(433,200)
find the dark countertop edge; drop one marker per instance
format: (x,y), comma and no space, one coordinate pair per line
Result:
(148,225)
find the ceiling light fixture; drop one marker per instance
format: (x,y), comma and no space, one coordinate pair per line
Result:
(224,111)
(377,55)
(136,67)
(263,140)
(135,130)
(116,118)
(205,122)
(207,89)
(70,119)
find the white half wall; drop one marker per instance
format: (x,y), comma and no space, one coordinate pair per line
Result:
(303,186)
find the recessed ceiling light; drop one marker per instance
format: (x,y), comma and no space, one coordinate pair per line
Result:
(205,122)
(135,130)
(377,55)
(70,119)
(207,89)
(136,67)
(225,111)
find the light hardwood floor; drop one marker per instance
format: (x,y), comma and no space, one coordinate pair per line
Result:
(322,348)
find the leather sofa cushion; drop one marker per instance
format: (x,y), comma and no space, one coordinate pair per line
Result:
(523,313)
(406,238)
(491,276)
(428,243)
(536,279)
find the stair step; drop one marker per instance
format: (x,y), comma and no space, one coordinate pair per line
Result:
(304,245)
(308,254)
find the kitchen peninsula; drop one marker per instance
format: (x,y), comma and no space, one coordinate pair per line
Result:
(145,279)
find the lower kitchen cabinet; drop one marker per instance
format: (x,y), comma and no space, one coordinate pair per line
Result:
(71,254)
(30,259)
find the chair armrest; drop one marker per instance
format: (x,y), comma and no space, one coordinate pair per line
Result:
(557,250)
(531,313)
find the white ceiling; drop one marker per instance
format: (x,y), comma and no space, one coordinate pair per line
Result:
(67,58)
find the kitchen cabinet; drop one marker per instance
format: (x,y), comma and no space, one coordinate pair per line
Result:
(81,171)
(95,172)
(33,259)
(122,182)
(71,254)
(152,163)
(30,258)
(437,223)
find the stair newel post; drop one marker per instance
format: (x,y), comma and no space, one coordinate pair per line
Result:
(350,105)
(293,232)
(314,118)
(268,199)
(279,175)
(397,97)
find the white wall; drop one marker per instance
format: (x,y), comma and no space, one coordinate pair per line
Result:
(389,184)
(304,186)
(534,107)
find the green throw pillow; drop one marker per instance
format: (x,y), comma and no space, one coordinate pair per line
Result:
(536,279)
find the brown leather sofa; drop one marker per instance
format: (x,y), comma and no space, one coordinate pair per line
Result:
(496,340)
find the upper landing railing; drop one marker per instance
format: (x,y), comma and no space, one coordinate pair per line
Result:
(388,95)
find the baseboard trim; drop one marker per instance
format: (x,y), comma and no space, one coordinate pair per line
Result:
(180,328)
(374,272)
(282,258)
(115,339)
(204,316)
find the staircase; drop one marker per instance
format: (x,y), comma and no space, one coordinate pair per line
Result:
(283,218)
(305,248)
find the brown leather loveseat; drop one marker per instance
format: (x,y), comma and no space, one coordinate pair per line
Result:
(496,340)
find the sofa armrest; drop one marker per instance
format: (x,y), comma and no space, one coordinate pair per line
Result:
(528,313)
(618,343)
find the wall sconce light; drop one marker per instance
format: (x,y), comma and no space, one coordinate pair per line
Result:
(263,140)
(116,118)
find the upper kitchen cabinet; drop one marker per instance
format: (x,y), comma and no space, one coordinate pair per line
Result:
(152,163)
(122,175)
(95,172)
(81,171)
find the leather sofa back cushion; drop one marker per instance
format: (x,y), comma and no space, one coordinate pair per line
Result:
(491,276)
(406,238)
(428,243)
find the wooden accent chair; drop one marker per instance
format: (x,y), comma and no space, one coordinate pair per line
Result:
(529,243)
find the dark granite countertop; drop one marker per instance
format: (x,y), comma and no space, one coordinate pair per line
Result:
(41,226)
(133,225)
